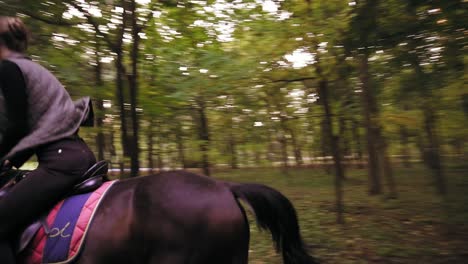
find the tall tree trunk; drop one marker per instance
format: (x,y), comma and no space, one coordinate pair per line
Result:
(135,149)
(203,134)
(358,145)
(325,145)
(270,151)
(150,141)
(343,136)
(161,154)
(433,158)
(372,129)
(100,140)
(233,150)
(232,143)
(405,154)
(180,145)
(258,157)
(159,147)
(342,142)
(431,152)
(296,147)
(310,146)
(387,167)
(112,150)
(284,150)
(283,139)
(119,81)
(241,156)
(311,154)
(121,101)
(339,173)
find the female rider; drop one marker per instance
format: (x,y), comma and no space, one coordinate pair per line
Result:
(37,116)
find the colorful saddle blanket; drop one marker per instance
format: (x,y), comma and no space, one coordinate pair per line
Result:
(68,221)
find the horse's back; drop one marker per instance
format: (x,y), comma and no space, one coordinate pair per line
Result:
(172,217)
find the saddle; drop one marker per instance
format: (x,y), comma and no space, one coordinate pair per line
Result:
(90,181)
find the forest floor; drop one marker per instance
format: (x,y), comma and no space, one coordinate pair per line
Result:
(418,227)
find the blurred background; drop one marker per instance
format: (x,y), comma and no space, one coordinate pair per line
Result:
(357,110)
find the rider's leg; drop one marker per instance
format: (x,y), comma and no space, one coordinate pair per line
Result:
(60,166)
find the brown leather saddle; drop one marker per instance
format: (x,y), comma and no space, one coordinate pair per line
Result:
(90,181)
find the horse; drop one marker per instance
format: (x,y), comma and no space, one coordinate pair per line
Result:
(183,218)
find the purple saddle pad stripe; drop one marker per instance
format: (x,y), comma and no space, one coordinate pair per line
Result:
(61,232)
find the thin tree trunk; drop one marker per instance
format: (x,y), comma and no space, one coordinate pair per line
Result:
(387,168)
(339,173)
(358,145)
(270,149)
(342,142)
(121,102)
(180,146)
(405,154)
(204,137)
(284,141)
(258,157)
(233,150)
(370,113)
(241,156)
(310,148)
(119,80)
(159,148)
(135,149)
(433,151)
(284,150)
(431,155)
(325,145)
(150,145)
(112,150)
(161,153)
(100,140)
(297,148)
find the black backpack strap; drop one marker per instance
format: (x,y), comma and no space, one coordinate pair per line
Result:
(13,87)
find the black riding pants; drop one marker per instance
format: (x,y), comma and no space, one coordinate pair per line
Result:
(60,165)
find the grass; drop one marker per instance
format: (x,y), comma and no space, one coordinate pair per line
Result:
(418,227)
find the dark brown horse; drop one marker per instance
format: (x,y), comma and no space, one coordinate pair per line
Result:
(180,217)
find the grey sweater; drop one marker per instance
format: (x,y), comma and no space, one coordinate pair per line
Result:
(50,113)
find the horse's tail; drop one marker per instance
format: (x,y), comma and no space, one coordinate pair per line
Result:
(275,212)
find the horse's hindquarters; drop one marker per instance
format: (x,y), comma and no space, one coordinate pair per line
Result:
(108,237)
(169,218)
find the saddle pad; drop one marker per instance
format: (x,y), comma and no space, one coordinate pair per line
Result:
(69,221)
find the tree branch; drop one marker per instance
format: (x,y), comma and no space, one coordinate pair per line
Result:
(149,17)
(95,24)
(294,80)
(56,22)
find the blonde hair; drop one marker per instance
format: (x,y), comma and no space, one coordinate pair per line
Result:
(13,34)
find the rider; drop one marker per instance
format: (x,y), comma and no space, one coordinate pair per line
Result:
(37,116)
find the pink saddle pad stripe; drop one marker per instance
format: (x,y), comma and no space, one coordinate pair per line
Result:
(85,218)
(33,254)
